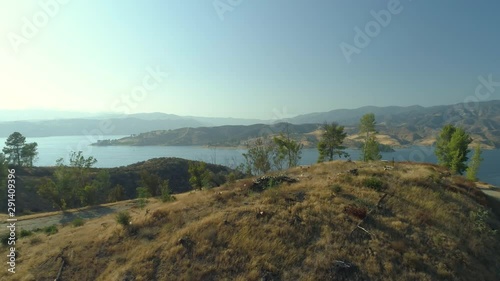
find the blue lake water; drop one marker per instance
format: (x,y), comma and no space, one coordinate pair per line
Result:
(52,148)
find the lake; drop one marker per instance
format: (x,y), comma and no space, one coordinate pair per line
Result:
(52,148)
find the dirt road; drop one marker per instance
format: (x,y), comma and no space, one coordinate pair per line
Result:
(493,194)
(33,222)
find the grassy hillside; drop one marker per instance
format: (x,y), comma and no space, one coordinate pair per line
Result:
(412,222)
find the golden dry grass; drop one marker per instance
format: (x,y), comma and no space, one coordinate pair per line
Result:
(422,230)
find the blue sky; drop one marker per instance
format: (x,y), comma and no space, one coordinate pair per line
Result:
(258,59)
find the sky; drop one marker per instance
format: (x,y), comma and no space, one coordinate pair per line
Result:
(244,59)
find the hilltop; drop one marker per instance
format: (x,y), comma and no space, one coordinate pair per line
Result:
(338,221)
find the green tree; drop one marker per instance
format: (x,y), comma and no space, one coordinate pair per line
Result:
(367,124)
(452,148)
(199,175)
(3,170)
(165,192)
(287,151)
(142,195)
(117,193)
(71,186)
(29,154)
(18,152)
(92,191)
(151,182)
(259,157)
(371,148)
(331,142)
(3,182)
(474,164)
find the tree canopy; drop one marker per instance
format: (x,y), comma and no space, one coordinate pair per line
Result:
(288,151)
(367,124)
(331,141)
(452,148)
(474,164)
(18,152)
(371,148)
(72,185)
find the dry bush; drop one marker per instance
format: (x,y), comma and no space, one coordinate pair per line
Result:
(423,218)
(355,211)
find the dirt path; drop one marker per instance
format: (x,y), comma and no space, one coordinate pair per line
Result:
(493,195)
(30,222)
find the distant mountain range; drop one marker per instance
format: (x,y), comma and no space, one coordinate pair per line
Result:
(399,126)
(119,124)
(230,135)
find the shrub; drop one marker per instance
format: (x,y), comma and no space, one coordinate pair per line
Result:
(423,217)
(4,238)
(480,222)
(142,194)
(37,229)
(374,183)
(166,193)
(336,188)
(355,211)
(231,177)
(49,230)
(35,240)
(123,218)
(78,222)
(25,233)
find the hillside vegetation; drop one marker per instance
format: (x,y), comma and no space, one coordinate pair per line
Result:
(338,221)
(175,170)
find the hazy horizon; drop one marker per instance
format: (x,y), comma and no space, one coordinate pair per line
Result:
(40,114)
(249,59)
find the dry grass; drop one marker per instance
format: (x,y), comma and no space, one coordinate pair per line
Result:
(302,231)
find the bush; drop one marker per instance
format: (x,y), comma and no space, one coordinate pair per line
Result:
(35,240)
(37,229)
(142,194)
(25,233)
(480,222)
(123,218)
(336,188)
(231,177)
(49,230)
(4,238)
(78,222)
(374,183)
(166,193)
(355,211)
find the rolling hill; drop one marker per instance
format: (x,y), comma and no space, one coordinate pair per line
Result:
(338,221)
(397,126)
